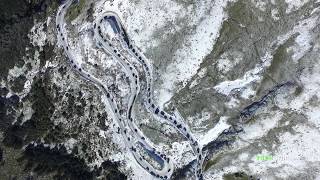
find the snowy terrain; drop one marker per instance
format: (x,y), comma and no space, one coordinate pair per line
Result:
(198,64)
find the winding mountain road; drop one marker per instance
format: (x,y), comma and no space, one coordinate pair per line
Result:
(123,50)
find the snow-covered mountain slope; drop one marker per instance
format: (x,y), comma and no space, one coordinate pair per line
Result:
(243,75)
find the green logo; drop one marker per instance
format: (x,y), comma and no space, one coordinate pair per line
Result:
(263,157)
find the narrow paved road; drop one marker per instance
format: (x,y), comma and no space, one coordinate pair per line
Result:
(123,50)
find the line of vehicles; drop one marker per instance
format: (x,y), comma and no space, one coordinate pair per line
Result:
(124,51)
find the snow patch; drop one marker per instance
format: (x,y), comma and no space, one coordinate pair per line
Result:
(181,153)
(233,102)
(295,152)
(37,35)
(275,14)
(303,40)
(262,127)
(213,133)
(294,5)
(260,4)
(187,59)
(200,74)
(69,144)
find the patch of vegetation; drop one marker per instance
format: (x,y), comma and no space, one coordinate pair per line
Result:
(9,166)
(298,90)
(90,13)
(237,176)
(62,165)
(75,10)
(16,19)
(3,91)
(278,68)
(18,83)
(232,33)
(56,135)
(44,160)
(7,110)
(212,162)
(46,54)
(111,172)
(34,129)
(279,57)
(183,172)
